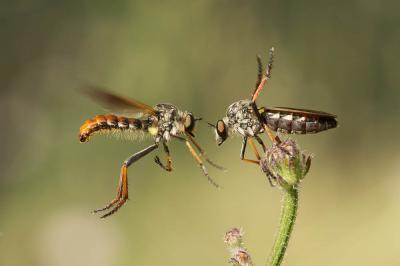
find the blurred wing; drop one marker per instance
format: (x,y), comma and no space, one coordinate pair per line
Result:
(118,103)
(298,111)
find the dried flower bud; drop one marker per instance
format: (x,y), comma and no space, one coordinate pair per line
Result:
(285,164)
(241,257)
(233,237)
(239,254)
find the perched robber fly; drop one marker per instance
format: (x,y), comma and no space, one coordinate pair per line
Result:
(163,122)
(244,118)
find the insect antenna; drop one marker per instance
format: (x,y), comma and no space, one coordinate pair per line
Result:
(211,125)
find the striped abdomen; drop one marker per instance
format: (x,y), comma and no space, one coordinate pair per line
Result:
(107,123)
(298,121)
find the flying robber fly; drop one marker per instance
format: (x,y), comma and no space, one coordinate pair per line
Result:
(163,122)
(244,118)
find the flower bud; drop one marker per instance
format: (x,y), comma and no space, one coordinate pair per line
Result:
(285,164)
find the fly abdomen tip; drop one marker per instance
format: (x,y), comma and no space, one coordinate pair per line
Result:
(332,123)
(83,138)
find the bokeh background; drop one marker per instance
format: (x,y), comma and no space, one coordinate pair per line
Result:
(336,56)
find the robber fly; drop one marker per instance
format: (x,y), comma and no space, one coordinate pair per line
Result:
(244,118)
(163,122)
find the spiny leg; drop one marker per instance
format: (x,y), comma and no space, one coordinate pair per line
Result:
(201,165)
(119,193)
(270,61)
(261,84)
(168,166)
(260,71)
(266,76)
(122,192)
(203,153)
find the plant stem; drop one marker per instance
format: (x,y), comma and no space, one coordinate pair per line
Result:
(288,217)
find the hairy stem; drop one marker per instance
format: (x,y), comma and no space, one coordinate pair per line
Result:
(288,217)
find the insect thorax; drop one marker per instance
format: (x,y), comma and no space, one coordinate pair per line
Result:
(168,121)
(240,118)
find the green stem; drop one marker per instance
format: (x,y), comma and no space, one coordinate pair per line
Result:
(288,217)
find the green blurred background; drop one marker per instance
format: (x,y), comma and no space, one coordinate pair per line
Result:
(337,56)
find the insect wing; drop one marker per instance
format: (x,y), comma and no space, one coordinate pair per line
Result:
(298,111)
(118,103)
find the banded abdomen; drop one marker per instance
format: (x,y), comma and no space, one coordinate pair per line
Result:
(297,121)
(108,123)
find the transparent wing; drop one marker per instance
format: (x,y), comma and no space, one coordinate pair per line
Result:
(116,103)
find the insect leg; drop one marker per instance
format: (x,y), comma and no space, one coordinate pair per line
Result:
(274,139)
(270,176)
(266,77)
(243,151)
(271,136)
(250,161)
(260,71)
(270,61)
(168,166)
(122,193)
(203,154)
(197,158)
(200,163)
(254,148)
(259,140)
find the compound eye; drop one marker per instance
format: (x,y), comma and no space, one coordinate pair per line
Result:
(220,128)
(189,122)
(222,134)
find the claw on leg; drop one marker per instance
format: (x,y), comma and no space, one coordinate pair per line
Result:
(168,166)
(122,195)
